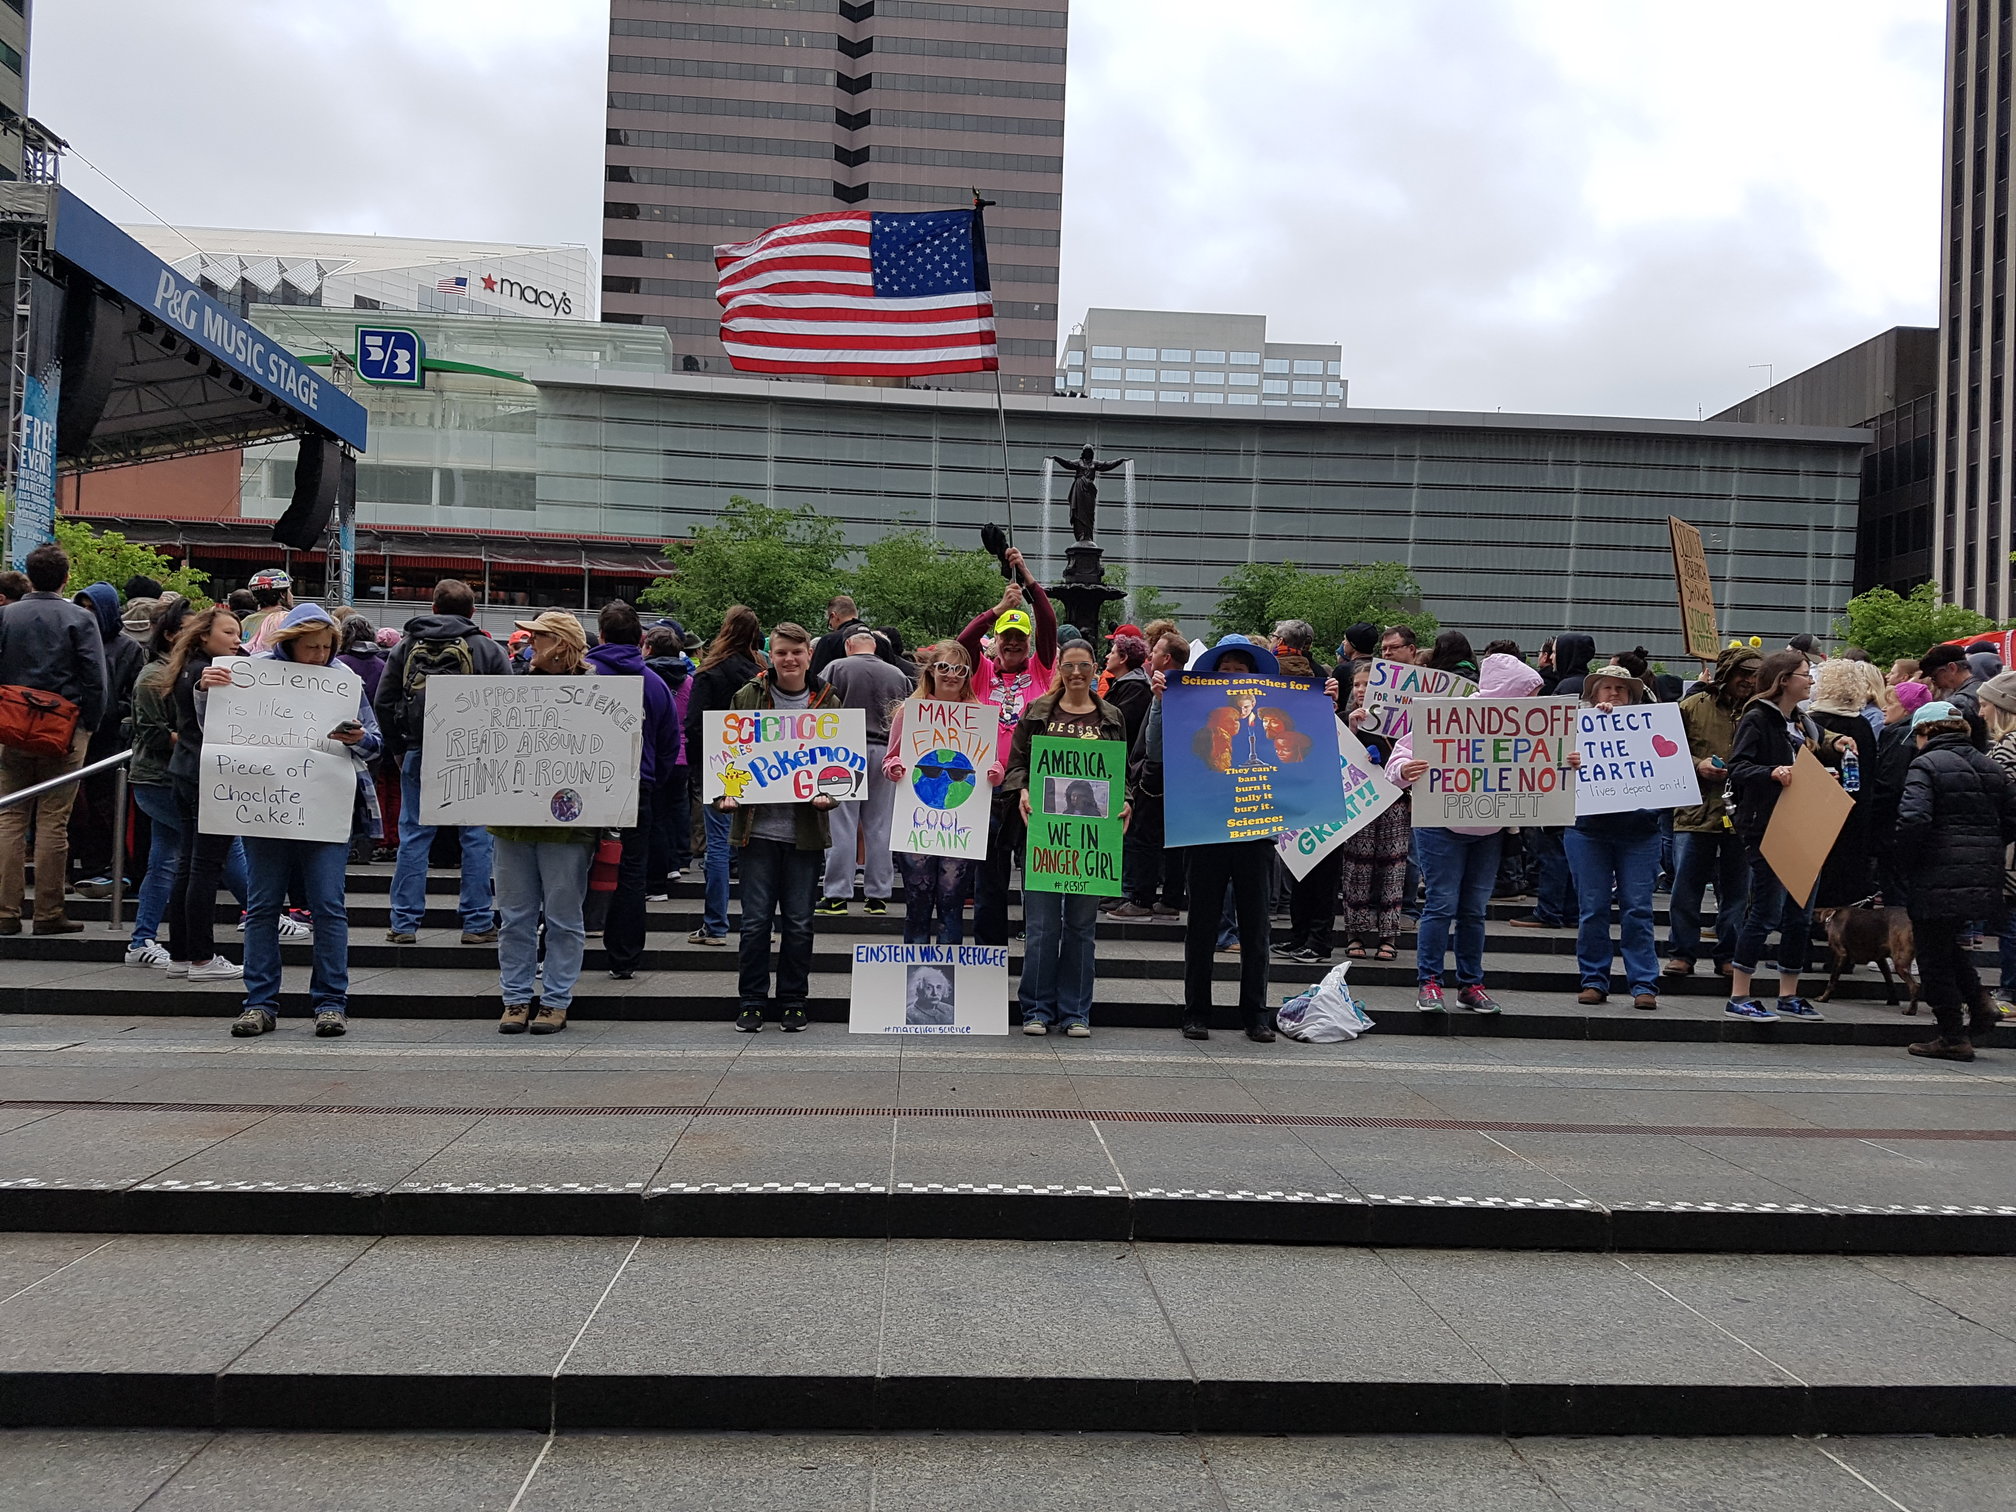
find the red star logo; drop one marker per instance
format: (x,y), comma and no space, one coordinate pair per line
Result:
(489,283)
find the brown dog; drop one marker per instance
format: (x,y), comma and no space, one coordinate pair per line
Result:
(1878,936)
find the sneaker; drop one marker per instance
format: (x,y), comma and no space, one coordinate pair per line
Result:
(1477,1000)
(677,874)
(1035,1026)
(794,1018)
(331,1023)
(657,897)
(831,908)
(1131,910)
(1078,1031)
(479,937)
(1679,966)
(1941,1048)
(749,1021)
(1749,1008)
(1533,921)
(1196,1029)
(1309,955)
(292,928)
(94,887)
(549,1020)
(216,969)
(701,937)
(177,970)
(516,1017)
(1429,998)
(146,953)
(876,907)
(252,1022)
(401,937)
(619,974)
(1799,1008)
(1288,950)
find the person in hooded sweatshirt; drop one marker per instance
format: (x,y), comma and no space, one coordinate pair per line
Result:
(93,824)
(671,810)
(1458,866)
(306,634)
(1555,903)
(621,654)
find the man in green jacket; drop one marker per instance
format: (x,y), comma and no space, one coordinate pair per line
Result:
(1705,849)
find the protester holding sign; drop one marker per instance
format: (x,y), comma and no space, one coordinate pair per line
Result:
(943,760)
(1057,969)
(621,654)
(306,636)
(1705,848)
(1374,872)
(1615,852)
(192,899)
(732,659)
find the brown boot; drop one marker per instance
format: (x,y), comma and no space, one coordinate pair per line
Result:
(1941,1048)
(58,925)
(549,1020)
(1590,996)
(516,1017)
(1982,1017)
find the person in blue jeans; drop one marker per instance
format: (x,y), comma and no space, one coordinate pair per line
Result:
(313,869)
(1615,856)
(939,884)
(733,659)
(1705,848)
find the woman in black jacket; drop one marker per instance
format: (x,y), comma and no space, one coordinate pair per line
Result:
(192,901)
(731,663)
(1957,813)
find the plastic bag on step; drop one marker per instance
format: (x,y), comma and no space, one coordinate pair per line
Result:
(1327,1013)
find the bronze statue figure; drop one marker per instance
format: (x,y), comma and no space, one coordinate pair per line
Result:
(1085,490)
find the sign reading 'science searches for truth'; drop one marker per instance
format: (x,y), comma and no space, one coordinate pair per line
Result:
(532,750)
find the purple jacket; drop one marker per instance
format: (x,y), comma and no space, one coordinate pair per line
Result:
(661,717)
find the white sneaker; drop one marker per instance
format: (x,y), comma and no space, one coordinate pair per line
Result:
(146,953)
(177,970)
(292,928)
(216,969)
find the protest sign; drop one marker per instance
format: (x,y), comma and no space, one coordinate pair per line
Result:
(1696,589)
(269,767)
(1635,757)
(784,755)
(532,750)
(1494,761)
(1367,795)
(1077,789)
(1390,686)
(1245,756)
(929,989)
(1805,821)
(943,802)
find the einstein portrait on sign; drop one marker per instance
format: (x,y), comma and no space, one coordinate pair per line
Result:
(927,995)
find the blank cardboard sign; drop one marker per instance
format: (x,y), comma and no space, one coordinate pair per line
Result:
(1810,813)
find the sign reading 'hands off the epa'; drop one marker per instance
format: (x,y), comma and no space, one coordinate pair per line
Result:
(561,751)
(269,767)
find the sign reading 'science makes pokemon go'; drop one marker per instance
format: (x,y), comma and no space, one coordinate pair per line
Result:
(784,755)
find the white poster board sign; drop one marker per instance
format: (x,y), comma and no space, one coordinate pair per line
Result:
(1494,761)
(1390,686)
(943,802)
(269,767)
(1635,757)
(561,751)
(1367,794)
(929,989)
(784,755)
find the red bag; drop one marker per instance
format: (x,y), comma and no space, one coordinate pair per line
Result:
(602,871)
(35,722)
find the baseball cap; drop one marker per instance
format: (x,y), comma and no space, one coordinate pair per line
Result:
(556,622)
(271,577)
(1125,630)
(1014,619)
(1937,709)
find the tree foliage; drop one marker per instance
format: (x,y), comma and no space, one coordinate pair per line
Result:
(1258,594)
(782,563)
(106,556)
(1888,626)
(922,586)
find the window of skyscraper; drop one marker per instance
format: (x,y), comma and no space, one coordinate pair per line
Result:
(1175,354)
(1276,364)
(1203,356)
(1334,369)
(1245,359)
(1173,375)
(1175,396)
(1105,393)
(1248,379)
(1307,367)
(1105,375)
(1074,359)
(1145,396)
(1274,386)
(1242,398)
(1204,377)
(1140,375)
(1304,386)
(1140,354)
(1110,354)
(1210,398)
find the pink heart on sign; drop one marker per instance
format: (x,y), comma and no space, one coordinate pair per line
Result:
(1664,746)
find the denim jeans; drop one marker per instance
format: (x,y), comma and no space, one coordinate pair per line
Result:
(714,917)
(549,878)
(314,870)
(409,873)
(777,877)
(623,925)
(1625,866)
(1456,876)
(1057,970)
(158,804)
(1772,909)
(934,884)
(1699,859)
(1554,892)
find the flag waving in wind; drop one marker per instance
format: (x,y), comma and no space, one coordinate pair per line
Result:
(860,292)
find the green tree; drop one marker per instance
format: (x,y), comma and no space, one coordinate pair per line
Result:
(1247,595)
(1888,626)
(1258,594)
(782,563)
(106,556)
(922,586)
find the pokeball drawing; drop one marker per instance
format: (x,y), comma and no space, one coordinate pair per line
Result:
(945,779)
(566,805)
(836,782)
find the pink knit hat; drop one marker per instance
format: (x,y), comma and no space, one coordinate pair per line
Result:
(1912,695)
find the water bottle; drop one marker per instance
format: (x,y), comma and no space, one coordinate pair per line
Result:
(1851,772)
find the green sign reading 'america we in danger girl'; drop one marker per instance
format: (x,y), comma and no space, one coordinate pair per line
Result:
(1077,789)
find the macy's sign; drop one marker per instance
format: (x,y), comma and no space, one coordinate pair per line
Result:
(546,299)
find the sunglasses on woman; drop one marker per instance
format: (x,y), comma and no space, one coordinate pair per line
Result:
(951,669)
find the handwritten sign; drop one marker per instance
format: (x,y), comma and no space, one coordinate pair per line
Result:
(1390,686)
(1635,757)
(784,755)
(1696,589)
(1494,761)
(1245,757)
(561,751)
(269,767)
(1367,795)
(943,802)
(929,989)
(1077,789)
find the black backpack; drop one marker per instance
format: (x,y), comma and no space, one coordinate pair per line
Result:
(425,659)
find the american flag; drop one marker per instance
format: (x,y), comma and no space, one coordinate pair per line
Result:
(860,292)
(452,286)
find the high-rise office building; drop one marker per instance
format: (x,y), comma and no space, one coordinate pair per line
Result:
(727,116)
(14,16)
(1177,357)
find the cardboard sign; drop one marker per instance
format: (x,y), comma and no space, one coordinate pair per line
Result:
(561,751)
(1390,686)
(1696,590)
(929,989)
(784,755)
(943,802)
(1494,761)
(1808,816)
(1635,757)
(1077,790)
(269,767)
(1245,756)
(1367,795)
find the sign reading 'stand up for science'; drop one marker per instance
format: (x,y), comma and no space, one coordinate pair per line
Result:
(1494,761)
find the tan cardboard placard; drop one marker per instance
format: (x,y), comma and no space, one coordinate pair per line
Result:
(1811,810)
(1697,590)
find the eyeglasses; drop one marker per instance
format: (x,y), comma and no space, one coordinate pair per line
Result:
(952,669)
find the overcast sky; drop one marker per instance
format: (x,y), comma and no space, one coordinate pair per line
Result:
(1585,206)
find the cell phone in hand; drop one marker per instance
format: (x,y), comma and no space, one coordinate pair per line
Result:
(348,727)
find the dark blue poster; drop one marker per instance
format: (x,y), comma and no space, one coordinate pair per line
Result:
(1245,756)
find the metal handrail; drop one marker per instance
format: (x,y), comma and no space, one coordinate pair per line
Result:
(29,794)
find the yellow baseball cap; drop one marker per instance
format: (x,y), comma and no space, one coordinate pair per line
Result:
(1014,619)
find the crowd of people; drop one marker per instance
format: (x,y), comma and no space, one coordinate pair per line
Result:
(1925,750)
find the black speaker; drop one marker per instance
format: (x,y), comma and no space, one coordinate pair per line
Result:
(92,341)
(318,472)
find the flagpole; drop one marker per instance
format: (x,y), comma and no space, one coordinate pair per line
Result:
(1000,401)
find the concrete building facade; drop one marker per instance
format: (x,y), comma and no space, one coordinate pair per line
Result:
(1181,357)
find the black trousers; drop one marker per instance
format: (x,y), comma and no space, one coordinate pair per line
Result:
(671,830)
(1248,867)
(991,880)
(623,929)
(1148,866)
(192,901)
(1312,904)
(1945,975)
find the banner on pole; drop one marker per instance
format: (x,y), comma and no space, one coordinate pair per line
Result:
(943,803)
(929,989)
(1077,790)
(1367,794)
(784,755)
(1635,757)
(1696,589)
(1390,686)
(559,751)
(1245,756)
(269,767)
(1494,761)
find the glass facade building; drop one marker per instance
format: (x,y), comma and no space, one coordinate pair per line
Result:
(1181,357)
